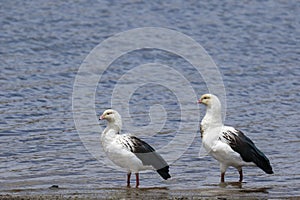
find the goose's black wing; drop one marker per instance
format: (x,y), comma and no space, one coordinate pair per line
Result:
(146,154)
(247,149)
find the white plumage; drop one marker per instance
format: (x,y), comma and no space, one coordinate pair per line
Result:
(128,151)
(226,144)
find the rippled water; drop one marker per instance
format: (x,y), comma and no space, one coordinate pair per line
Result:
(255,45)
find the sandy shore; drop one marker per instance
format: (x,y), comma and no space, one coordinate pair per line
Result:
(231,192)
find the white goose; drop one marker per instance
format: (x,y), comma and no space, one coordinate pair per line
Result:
(128,151)
(226,144)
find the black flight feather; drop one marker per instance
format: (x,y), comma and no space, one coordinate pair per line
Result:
(247,149)
(147,155)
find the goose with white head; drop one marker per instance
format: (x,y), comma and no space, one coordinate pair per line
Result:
(226,144)
(128,151)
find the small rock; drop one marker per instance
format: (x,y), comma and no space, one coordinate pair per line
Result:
(54,187)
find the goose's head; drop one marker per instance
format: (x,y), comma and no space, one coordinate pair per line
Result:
(110,115)
(209,100)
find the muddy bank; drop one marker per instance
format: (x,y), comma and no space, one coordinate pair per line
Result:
(220,192)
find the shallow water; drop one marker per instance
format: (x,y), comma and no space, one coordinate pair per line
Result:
(43,44)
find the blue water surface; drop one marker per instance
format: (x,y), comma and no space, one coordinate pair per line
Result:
(255,45)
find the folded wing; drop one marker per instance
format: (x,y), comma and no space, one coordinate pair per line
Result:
(247,149)
(146,154)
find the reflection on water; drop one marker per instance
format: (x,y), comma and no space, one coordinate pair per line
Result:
(43,45)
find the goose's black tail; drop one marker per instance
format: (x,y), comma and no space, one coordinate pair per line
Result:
(164,172)
(262,161)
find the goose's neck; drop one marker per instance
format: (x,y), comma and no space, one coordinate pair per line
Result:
(108,135)
(115,125)
(212,118)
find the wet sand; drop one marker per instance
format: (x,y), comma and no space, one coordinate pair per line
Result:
(225,191)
